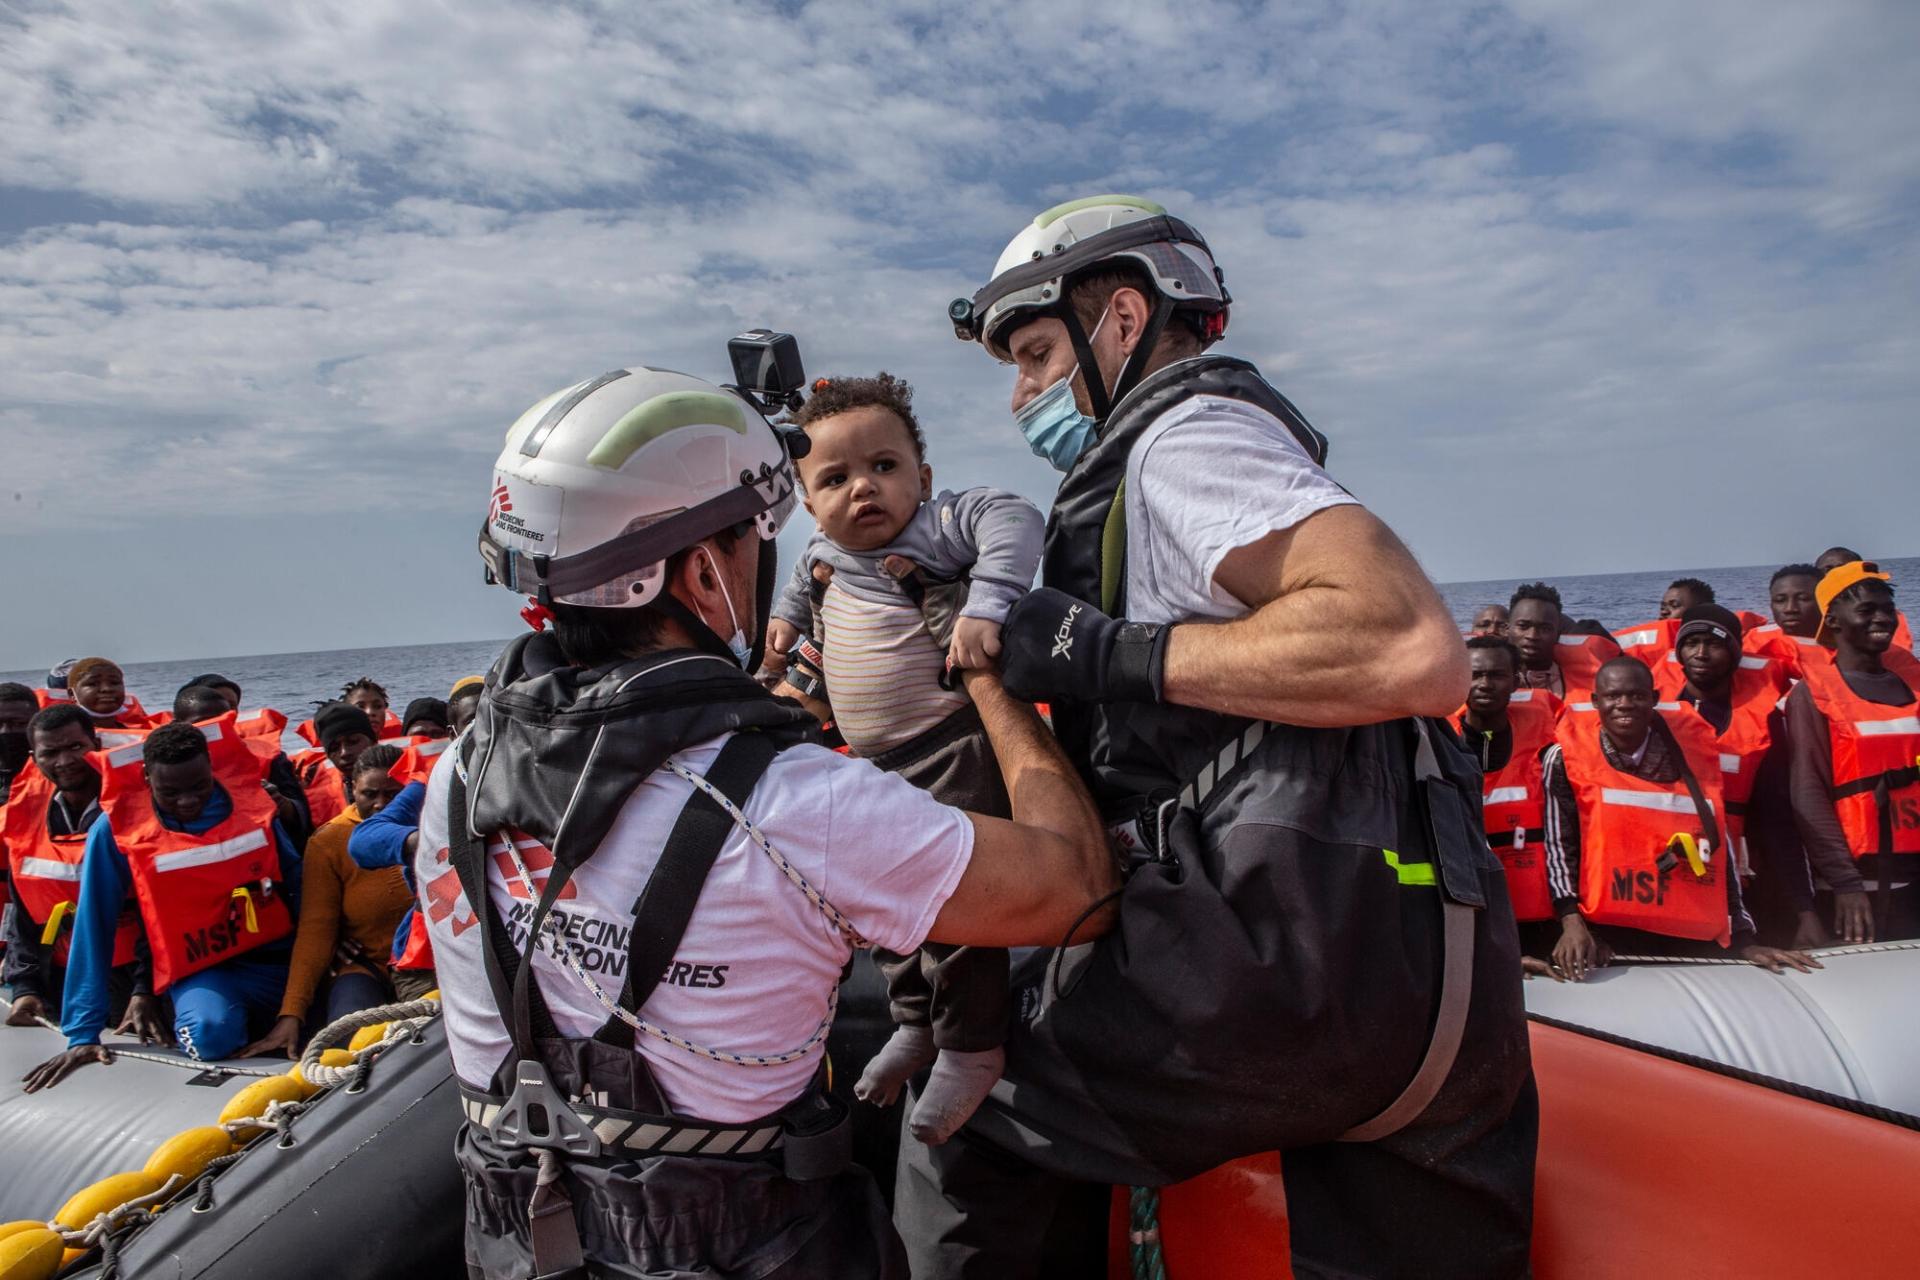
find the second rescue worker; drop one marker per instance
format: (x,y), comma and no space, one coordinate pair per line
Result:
(1239,658)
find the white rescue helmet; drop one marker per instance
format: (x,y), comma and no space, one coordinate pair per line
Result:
(602,481)
(1033,272)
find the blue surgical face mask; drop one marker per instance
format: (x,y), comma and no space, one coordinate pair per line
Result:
(1052,423)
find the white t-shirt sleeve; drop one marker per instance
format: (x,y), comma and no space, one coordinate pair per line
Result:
(1212,476)
(893,854)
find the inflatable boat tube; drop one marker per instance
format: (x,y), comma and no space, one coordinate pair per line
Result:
(1718,1120)
(362,1184)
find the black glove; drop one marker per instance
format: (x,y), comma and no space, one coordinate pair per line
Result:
(1056,648)
(806,669)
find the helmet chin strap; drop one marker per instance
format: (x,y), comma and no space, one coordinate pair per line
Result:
(1130,373)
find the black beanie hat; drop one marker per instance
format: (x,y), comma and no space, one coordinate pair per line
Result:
(427,709)
(338,719)
(1712,619)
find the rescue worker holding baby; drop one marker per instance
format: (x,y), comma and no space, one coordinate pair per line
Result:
(1314,951)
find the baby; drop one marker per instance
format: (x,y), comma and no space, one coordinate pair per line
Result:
(870,490)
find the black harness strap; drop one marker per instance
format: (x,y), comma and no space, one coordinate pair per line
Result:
(1700,805)
(665,905)
(1891,779)
(466,852)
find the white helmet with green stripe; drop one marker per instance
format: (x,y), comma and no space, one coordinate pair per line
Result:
(602,481)
(1034,270)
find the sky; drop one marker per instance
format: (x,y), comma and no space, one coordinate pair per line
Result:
(1572,288)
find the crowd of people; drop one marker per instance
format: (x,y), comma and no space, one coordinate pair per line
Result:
(177,876)
(1238,857)
(1712,781)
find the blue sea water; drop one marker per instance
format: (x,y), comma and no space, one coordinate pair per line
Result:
(293,682)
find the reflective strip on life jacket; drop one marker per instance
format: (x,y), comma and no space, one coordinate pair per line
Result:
(50,869)
(206,855)
(1887,728)
(1665,802)
(1505,795)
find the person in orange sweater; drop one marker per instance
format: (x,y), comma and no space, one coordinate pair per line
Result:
(347,916)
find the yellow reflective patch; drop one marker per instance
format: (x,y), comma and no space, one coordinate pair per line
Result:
(1410,872)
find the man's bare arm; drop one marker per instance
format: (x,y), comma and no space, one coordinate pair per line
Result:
(1030,878)
(1346,629)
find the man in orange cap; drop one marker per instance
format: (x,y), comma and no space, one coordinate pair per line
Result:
(1854,732)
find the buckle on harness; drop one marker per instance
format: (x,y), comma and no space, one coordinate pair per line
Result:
(538,1115)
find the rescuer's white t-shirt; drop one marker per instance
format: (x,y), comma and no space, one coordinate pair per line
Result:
(758,961)
(1211,475)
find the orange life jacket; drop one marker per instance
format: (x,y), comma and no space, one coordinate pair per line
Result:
(1876,760)
(325,789)
(1792,653)
(417,761)
(1514,802)
(1629,826)
(261,727)
(416,765)
(209,897)
(46,869)
(1580,658)
(1742,746)
(1650,642)
(131,714)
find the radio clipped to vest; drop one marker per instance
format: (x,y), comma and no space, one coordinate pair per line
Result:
(208,897)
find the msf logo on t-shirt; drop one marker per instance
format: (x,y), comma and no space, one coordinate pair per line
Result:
(1063,638)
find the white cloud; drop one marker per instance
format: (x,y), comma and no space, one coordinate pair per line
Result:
(1505,258)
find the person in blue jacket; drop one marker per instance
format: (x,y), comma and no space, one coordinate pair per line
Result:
(387,839)
(211,1008)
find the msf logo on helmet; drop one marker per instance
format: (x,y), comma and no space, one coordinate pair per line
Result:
(1063,638)
(501,502)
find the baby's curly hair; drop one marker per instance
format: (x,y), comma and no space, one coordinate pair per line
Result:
(883,390)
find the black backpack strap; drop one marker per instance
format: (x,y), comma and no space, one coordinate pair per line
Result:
(467,854)
(1708,819)
(666,904)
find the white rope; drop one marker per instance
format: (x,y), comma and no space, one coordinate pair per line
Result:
(827,909)
(168,1060)
(402,1019)
(1818,953)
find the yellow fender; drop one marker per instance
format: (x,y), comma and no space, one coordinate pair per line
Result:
(89,1203)
(258,1096)
(32,1254)
(188,1152)
(366,1037)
